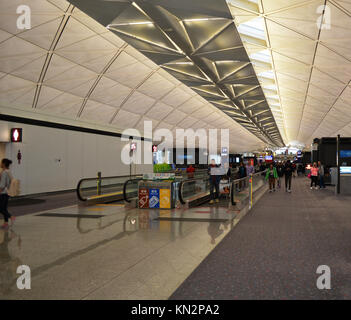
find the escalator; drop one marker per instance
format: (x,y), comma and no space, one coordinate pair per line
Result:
(107,189)
(189,192)
(241,193)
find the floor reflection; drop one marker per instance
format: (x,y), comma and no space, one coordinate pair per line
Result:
(8,260)
(119,240)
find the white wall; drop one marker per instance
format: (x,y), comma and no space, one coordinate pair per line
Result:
(81,155)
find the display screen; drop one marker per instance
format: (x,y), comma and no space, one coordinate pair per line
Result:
(187,156)
(237,160)
(269,158)
(345,153)
(345,170)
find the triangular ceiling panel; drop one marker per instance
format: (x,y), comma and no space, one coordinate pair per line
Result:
(230,54)
(151,27)
(186,9)
(302,18)
(200,31)
(105,12)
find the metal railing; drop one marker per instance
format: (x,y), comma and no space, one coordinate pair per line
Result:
(243,190)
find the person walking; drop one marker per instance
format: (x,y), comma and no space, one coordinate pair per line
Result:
(314,175)
(250,169)
(271,175)
(288,171)
(321,175)
(242,174)
(214,182)
(5,181)
(280,171)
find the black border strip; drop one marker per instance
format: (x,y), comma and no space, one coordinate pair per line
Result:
(42,123)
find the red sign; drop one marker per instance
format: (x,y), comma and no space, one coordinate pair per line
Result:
(143,198)
(154,148)
(16,135)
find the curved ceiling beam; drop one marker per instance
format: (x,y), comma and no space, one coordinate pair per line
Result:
(101,74)
(50,53)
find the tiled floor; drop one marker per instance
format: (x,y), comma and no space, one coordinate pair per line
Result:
(117,253)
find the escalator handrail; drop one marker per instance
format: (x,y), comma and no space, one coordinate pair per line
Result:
(181,187)
(125,189)
(96,178)
(232,193)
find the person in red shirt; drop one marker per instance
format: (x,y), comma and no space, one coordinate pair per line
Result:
(190,171)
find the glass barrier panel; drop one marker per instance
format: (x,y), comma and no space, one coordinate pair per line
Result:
(258,180)
(131,189)
(240,190)
(195,188)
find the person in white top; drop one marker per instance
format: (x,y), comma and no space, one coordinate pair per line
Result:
(5,181)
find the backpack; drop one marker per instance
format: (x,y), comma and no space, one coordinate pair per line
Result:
(14,189)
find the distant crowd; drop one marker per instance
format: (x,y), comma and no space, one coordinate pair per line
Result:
(276,173)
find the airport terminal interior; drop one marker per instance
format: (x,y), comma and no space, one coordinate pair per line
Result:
(175,149)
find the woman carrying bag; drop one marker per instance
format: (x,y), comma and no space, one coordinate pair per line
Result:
(5,184)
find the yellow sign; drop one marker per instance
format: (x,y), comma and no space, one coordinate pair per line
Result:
(165,198)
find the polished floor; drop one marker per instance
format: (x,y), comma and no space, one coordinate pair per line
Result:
(27,205)
(109,251)
(113,252)
(276,249)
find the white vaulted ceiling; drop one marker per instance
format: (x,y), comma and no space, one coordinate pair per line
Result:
(68,68)
(307,69)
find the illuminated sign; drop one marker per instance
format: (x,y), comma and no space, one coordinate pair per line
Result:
(16,135)
(133,146)
(345,170)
